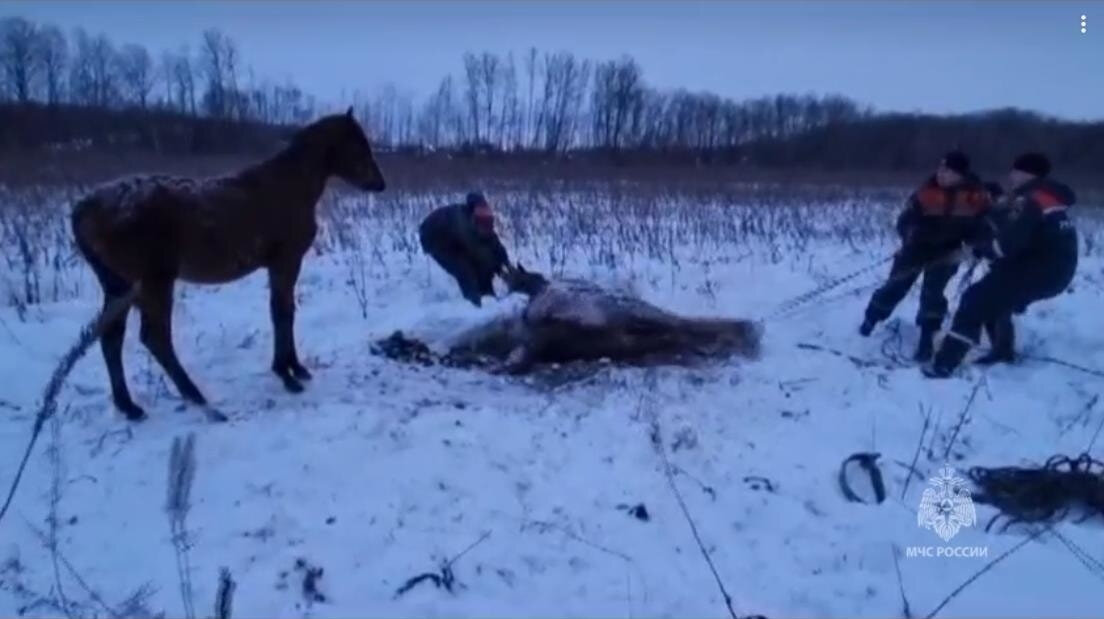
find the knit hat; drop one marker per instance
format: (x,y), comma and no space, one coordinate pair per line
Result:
(1035,164)
(958,161)
(475,198)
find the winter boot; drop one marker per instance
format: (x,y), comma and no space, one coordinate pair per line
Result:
(925,347)
(867,327)
(1001,340)
(996,356)
(951,352)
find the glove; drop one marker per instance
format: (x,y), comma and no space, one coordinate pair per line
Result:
(955,256)
(983,251)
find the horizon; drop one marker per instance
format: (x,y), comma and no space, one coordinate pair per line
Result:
(1025,55)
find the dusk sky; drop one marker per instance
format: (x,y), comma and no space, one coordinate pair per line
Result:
(935,56)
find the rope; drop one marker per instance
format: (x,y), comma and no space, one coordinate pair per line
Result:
(966,279)
(801,299)
(792,304)
(1072,366)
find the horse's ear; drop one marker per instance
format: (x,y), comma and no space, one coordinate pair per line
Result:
(349,113)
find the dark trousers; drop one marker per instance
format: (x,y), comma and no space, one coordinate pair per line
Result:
(456,263)
(910,262)
(1005,290)
(1002,334)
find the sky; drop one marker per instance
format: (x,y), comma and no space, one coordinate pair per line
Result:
(936,56)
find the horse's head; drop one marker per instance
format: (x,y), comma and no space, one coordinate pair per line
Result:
(519,280)
(345,151)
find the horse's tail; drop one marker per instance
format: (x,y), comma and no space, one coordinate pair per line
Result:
(114,285)
(740,336)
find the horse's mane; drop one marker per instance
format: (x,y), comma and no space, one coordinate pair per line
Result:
(292,150)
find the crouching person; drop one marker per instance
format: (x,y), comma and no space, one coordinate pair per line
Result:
(942,214)
(1034,256)
(461,239)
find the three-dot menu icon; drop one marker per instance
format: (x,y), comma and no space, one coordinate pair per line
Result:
(1084,23)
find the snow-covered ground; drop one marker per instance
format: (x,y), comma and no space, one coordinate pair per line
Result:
(381,471)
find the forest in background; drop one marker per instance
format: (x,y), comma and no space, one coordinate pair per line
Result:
(64,94)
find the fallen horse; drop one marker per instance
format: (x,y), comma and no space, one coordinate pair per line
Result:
(569,320)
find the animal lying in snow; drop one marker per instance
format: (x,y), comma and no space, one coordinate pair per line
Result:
(573,320)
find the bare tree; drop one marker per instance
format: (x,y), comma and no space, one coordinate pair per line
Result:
(219,64)
(81,82)
(510,122)
(436,114)
(473,88)
(261,102)
(289,104)
(53,55)
(103,63)
(237,104)
(617,95)
(565,83)
(136,74)
(383,119)
(18,47)
(407,120)
(489,72)
(179,75)
(531,76)
(165,73)
(92,78)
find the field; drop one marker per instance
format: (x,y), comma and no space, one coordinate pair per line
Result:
(562,494)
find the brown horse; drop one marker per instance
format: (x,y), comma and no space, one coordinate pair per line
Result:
(143,233)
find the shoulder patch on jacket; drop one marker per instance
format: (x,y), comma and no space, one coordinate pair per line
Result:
(932,200)
(1046,200)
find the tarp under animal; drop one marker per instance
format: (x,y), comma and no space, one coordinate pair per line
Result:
(567,320)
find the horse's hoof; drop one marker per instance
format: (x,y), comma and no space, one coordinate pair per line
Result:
(216,416)
(131,411)
(301,372)
(194,396)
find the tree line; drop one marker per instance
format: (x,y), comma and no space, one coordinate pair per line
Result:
(555,102)
(40,63)
(551,103)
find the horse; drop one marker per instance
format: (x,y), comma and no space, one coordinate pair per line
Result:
(569,320)
(142,233)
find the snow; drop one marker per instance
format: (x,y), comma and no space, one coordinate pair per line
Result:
(380,471)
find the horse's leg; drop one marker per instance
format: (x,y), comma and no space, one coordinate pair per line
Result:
(113,335)
(282,276)
(111,344)
(155,303)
